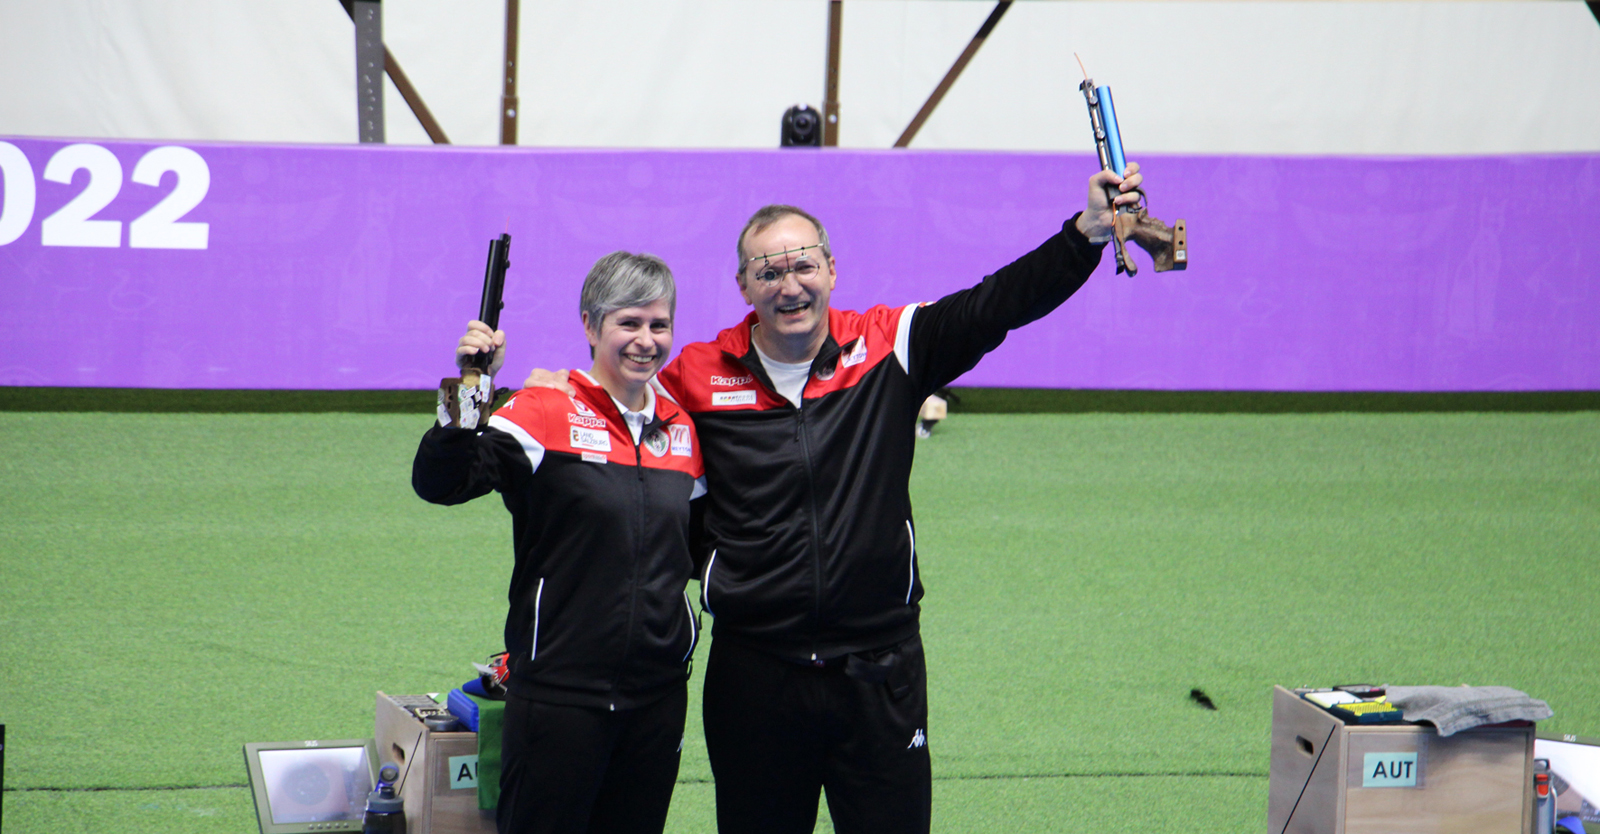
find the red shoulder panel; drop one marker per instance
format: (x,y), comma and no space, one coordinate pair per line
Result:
(865,340)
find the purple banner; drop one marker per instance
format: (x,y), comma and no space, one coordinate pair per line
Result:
(256,266)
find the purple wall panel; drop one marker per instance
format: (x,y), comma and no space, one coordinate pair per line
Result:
(357,267)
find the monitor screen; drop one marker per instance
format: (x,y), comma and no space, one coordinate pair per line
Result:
(1575,774)
(311,785)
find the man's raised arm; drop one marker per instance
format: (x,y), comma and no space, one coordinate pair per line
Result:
(949,336)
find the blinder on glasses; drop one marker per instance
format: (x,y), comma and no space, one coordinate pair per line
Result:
(803,266)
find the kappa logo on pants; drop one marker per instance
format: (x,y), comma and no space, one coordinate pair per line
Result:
(918,739)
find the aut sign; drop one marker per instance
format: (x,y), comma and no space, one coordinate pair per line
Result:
(1389,770)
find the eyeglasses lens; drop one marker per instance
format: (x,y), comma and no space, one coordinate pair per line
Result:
(804,269)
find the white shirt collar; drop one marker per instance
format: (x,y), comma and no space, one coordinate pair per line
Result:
(637,420)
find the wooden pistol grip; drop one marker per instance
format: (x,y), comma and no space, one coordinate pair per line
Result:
(1168,246)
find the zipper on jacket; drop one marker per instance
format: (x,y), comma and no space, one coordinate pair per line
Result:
(816,532)
(638,542)
(759,371)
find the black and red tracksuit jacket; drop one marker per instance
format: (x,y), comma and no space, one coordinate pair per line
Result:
(812,547)
(601,530)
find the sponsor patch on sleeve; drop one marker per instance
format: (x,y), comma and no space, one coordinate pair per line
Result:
(745,397)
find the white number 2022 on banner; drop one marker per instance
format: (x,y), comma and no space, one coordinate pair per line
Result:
(161,227)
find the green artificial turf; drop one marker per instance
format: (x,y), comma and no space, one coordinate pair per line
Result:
(175,585)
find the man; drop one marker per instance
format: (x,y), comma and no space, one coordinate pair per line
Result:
(805,416)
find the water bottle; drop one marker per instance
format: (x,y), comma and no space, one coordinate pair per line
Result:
(1544,799)
(386,812)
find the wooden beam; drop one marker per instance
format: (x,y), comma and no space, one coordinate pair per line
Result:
(403,85)
(954,73)
(830,84)
(508,95)
(414,99)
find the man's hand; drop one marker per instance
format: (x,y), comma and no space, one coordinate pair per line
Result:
(1097,221)
(480,339)
(541,378)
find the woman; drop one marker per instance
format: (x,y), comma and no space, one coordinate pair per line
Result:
(600,629)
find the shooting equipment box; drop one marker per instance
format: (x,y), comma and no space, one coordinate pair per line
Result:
(1329,777)
(434,803)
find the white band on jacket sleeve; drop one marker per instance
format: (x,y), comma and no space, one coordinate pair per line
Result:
(532,448)
(699,488)
(902,337)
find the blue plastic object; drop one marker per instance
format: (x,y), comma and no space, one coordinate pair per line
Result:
(1108,117)
(463,708)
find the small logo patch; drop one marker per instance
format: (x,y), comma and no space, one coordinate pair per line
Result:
(857,354)
(581,408)
(594,457)
(656,442)
(681,444)
(918,739)
(731,380)
(591,439)
(733,397)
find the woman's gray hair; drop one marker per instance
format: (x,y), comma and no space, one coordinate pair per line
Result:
(624,279)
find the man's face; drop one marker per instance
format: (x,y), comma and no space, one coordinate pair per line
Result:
(795,303)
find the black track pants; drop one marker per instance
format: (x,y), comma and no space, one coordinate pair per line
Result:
(778,733)
(571,770)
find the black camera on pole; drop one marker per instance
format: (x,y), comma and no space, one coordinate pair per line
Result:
(802,127)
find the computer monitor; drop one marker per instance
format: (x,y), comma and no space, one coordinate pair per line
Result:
(302,787)
(1575,775)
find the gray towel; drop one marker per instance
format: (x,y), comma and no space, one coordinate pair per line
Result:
(1456,708)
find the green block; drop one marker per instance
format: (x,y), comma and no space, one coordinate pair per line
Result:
(491,727)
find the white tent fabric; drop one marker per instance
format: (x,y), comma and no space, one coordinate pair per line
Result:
(1189,77)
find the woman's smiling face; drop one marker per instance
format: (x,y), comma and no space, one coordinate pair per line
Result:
(630,346)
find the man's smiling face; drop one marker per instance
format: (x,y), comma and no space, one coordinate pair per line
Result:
(787,279)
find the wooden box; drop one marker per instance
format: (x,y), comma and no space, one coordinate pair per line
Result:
(437,802)
(1332,778)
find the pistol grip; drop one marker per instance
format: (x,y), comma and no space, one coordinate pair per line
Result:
(1168,246)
